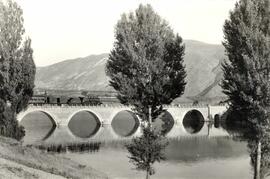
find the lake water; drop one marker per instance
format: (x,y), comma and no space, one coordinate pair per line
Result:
(203,151)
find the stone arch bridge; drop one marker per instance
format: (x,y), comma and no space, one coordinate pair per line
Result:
(61,115)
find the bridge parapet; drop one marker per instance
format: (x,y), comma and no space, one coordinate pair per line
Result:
(121,106)
(78,106)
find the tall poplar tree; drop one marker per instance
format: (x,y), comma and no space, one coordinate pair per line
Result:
(146,69)
(17,68)
(146,64)
(246,73)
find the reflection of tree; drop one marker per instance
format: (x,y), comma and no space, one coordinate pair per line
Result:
(190,149)
(146,150)
(168,123)
(258,141)
(163,123)
(260,156)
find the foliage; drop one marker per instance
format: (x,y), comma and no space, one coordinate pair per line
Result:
(246,73)
(146,65)
(241,127)
(146,69)
(257,143)
(17,68)
(9,126)
(147,149)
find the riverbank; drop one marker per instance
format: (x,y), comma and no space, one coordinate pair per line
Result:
(17,161)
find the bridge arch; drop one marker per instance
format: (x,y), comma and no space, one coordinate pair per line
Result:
(193,121)
(125,128)
(216,120)
(40,126)
(75,128)
(50,116)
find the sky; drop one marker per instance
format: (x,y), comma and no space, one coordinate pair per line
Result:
(67,29)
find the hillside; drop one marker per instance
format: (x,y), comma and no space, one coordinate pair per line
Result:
(203,65)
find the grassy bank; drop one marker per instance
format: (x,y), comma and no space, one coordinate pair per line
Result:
(31,157)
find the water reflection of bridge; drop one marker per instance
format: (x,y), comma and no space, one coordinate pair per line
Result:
(65,121)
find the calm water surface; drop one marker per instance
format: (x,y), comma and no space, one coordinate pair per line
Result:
(197,150)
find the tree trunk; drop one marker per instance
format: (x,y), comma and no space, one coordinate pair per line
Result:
(208,130)
(147,174)
(258,162)
(150,117)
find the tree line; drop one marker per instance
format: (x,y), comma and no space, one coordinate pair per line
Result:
(17,69)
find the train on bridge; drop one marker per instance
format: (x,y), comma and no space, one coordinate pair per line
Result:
(72,99)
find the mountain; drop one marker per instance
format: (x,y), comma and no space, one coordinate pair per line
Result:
(76,74)
(203,64)
(202,60)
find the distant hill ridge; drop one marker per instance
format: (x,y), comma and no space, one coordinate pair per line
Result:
(202,60)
